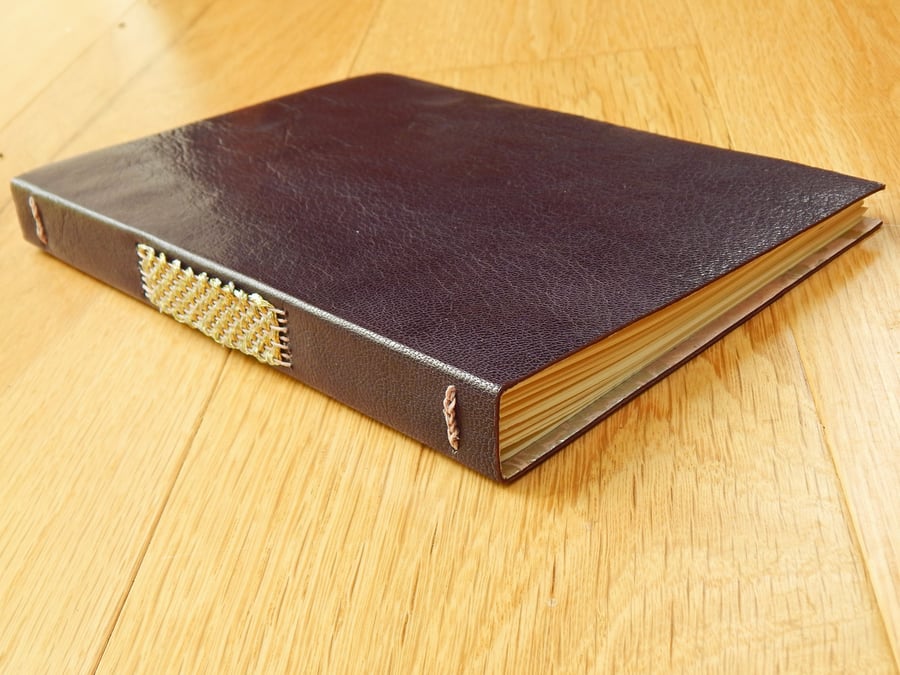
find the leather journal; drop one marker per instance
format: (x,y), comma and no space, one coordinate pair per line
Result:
(489,278)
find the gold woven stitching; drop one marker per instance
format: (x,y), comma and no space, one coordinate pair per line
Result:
(228,315)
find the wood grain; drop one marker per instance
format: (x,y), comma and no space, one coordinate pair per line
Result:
(166,505)
(846,104)
(70,102)
(53,33)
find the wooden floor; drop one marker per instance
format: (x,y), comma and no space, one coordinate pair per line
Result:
(166,506)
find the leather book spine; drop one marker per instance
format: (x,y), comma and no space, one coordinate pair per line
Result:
(386,381)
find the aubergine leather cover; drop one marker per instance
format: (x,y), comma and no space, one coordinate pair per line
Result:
(419,236)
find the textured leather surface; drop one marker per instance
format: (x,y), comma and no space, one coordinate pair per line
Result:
(489,237)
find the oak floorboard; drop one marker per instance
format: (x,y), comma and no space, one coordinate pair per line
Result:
(40,40)
(845,115)
(46,126)
(96,411)
(87,462)
(408,36)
